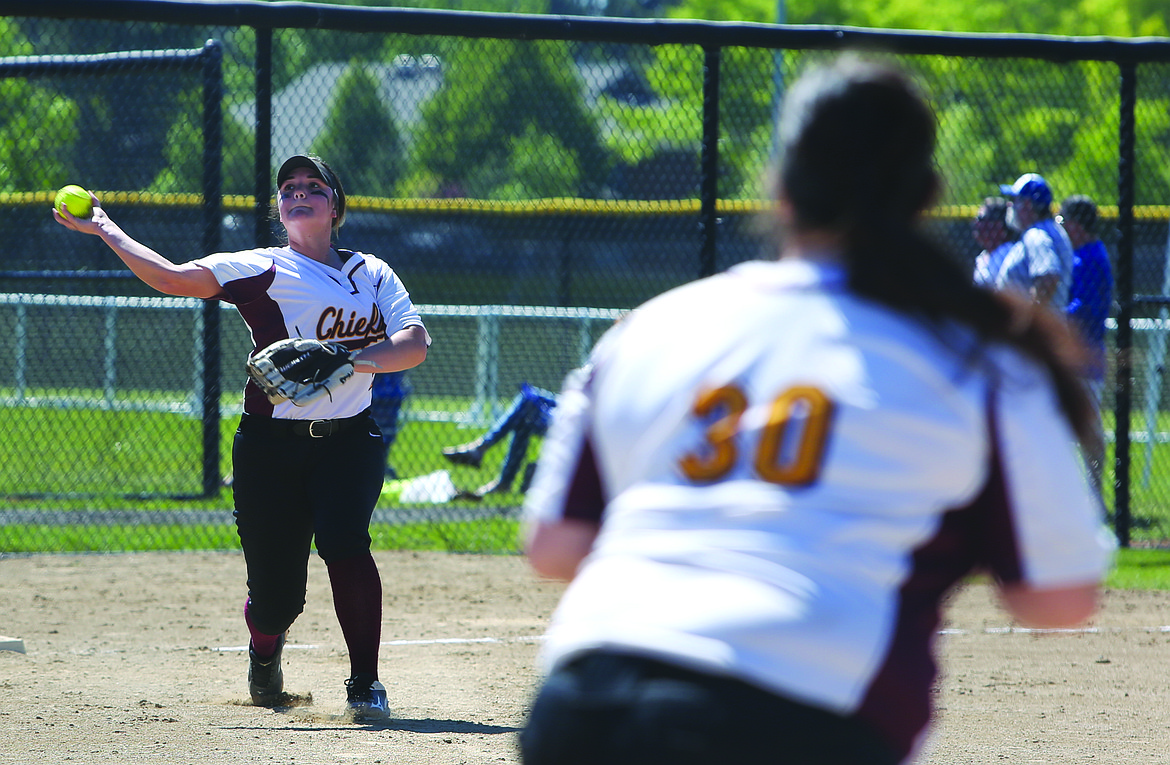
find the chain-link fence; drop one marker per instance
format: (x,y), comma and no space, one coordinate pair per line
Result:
(528,177)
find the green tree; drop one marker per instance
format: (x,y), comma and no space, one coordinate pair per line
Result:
(184,152)
(360,138)
(539,166)
(39,131)
(1121,18)
(123,119)
(494,93)
(674,121)
(1002,117)
(760,11)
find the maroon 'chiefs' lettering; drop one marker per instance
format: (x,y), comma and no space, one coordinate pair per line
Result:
(335,325)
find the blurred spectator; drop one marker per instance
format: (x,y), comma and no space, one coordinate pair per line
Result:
(528,416)
(389,391)
(1090,299)
(1042,263)
(991,232)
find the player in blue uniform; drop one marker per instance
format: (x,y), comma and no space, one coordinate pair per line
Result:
(527,417)
(389,394)
(1090,298)
(302,474)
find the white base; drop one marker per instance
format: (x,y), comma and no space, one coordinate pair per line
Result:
(11,644)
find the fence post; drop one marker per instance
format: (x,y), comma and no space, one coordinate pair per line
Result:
(584,339)
(21,341)
(1123,383)
(199,365)
(262,187)
(709,183)
(110,363)
(487,365)
(212,220)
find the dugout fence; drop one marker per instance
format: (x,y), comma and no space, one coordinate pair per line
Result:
(204,64)
(530,177)
(178,375)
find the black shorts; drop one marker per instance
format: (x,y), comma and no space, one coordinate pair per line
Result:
(625,710)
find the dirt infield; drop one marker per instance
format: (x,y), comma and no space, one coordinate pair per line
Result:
(137,658)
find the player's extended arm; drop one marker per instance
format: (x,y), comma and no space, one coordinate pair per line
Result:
(184,280)
(1051,608)
(556,549)
(405,349)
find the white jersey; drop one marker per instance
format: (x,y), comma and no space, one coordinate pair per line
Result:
(988,264)
(791,484)
(1044,248)
(281,293)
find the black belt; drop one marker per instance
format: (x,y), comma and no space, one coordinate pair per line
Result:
(306,428)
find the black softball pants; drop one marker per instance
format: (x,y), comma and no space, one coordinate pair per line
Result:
(625,710)
(291,490)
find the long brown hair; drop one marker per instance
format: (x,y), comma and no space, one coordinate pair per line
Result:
(856,147)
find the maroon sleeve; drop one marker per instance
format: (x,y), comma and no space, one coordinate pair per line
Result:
(585,500)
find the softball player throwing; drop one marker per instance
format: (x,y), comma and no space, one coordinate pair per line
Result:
(312,472)
(761,511)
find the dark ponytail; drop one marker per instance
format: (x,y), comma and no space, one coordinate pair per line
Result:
(856,157)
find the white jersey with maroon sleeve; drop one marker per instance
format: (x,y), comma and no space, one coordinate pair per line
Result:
(281,293)
(792,483)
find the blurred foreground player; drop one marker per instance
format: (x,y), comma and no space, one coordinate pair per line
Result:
(760,514)
(302,474)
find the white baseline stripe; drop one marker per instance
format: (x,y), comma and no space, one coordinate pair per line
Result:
(1041,631)
(430,641)
(288,646)
(947,631)
(449,641)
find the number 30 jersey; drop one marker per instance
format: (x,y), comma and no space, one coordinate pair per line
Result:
(789,478)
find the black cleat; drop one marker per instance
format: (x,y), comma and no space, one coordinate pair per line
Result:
(463,455)
(265,677)
(366,698)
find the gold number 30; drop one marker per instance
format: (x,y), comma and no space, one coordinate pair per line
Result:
(792,442)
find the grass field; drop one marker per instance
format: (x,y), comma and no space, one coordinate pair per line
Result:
(119,467)
(87,458)
(62,460)
(1141,569)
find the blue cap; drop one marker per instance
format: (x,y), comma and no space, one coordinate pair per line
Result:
(1032,187)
